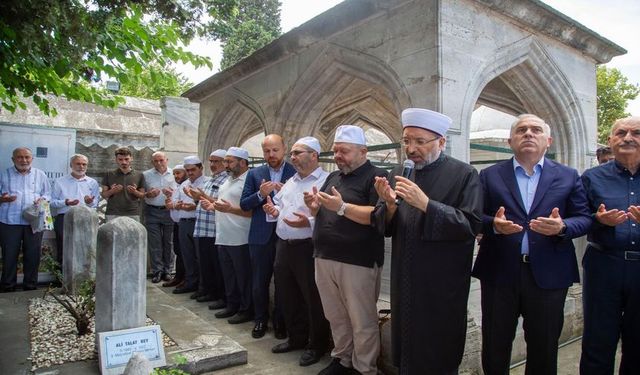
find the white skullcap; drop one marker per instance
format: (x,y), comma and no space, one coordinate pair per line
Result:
(238,153)
(219,153)
(179,166)
(350,134)
(192,160)
(426,119)
(310,142)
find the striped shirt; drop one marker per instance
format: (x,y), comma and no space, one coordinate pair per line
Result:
(206,220)
(27,188)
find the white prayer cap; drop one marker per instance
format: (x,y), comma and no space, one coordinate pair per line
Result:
(192,160)
(179,166)
(238,153)
(310,142)
(426,119)
(350,134)
(220,153)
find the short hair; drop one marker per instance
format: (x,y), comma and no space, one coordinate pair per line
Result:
(15,151)
(78,156)
(124,151)
(545,127)
(159,153)
(624,121)
(603,151)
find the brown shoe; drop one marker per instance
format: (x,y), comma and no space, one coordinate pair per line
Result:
(173,282)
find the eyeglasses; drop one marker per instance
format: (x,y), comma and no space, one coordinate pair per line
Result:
(298,152)
(419,142)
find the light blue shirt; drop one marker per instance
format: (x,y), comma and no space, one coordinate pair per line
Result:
(69,187)
(527,186)
(27,188)
(276,175)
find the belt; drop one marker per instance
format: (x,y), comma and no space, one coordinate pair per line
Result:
(296,242)
(188,219)
(525,258)
(629,255)
(157,207)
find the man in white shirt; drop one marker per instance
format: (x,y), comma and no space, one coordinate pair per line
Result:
(157,219)
(179,176)
(20,186)
(232,238)
(294,266)
(74,189)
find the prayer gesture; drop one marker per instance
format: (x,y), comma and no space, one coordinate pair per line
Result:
(270,208)
(88,199)
(411,193)
(385,191)
(195,194)
(549,226)
(71,202)
(331,202)
(7,198)
(311,200)
(168,192)
(634,213)
(187,191)
(222,205)
(207,205)
(302,221)
(116,188)
(132,188)
(611,217)
(504,226)
(266,187)
(152,193)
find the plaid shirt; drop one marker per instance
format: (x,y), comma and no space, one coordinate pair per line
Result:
(206,220)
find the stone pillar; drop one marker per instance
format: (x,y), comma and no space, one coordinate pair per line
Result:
(79,248)
(121,294)
(179,134)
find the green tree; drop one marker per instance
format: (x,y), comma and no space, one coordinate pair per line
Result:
(256,24)
(56,46)
(613,93)
(155,82)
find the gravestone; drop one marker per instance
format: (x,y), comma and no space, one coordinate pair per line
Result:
(79,248)
(120,275)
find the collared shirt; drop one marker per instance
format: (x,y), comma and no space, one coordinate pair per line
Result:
(69,187)
(527,186)
(181,196)
(175,214)
(206,220)
(615,186)
(27,188)
(123,203)
(156,180)
(231,229)
(290,199)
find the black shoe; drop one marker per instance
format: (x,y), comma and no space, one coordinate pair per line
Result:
(7,289)
(196,294)
(156,277)
(217,305)
(310,356)
(29,287)
(259,330)
(165,276)
(185,289)
(241,317)
(286,347)
(173,282)
(280,333)
(335,368)
(206,298)
(226,313)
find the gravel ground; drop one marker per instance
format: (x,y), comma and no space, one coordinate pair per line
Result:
(54,338)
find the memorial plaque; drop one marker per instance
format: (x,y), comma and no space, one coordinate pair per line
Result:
(117,347)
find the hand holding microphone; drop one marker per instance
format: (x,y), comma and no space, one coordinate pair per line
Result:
(407,168)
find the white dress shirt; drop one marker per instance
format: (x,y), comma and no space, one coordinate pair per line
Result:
(181,196)
(290,199)
(69,187)
(27,188)
(156,180)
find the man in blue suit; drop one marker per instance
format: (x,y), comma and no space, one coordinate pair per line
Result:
(261,182)
(533,208)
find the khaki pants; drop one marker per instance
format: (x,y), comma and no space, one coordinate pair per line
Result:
(349,296)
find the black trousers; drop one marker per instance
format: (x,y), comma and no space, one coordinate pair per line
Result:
(611,298)
(58,226)
(236,270)
(12,239)
(176,250)
(262,259)
(211,281)
(542,311)
(295,276)
(189,252)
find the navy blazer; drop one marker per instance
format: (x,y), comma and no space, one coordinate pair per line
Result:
(553,258)
(260,231)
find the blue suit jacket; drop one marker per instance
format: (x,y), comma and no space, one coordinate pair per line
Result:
(553,258)
(260,231)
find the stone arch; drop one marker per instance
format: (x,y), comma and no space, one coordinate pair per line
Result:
(540,87)
(241,118)
(342,84)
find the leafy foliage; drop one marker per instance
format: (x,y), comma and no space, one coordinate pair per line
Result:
(155,82)
(56,46)
(614,91)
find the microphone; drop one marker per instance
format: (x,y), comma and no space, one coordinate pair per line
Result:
(407,168)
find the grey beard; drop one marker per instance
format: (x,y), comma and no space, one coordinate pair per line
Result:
(430,159)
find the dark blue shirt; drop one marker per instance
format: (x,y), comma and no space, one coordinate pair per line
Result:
(615,186)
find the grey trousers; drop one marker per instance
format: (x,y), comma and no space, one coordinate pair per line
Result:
(160,239)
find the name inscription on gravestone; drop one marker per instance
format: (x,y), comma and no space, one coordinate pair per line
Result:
(117,347)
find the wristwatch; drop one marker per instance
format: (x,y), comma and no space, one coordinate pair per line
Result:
(343,207)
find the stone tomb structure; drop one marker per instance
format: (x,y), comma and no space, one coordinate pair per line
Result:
(362,62)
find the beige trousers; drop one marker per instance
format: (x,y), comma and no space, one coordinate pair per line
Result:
(349,295)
